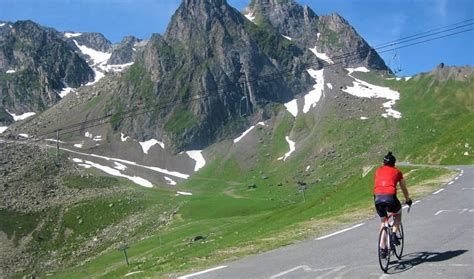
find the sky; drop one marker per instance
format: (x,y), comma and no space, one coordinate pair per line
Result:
(377,21)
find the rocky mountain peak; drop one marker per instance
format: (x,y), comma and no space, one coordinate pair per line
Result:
(288,17)
(444,73)
(196,18)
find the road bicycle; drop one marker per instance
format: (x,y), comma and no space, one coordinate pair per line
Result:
(385,240)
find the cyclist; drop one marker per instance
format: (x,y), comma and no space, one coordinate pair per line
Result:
(385,195)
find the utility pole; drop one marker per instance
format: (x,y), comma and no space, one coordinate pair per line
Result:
(124,247)
(57,145)
(302,186)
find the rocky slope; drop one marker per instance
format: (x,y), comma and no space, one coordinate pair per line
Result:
(35,64)
(331,35)
(213,55)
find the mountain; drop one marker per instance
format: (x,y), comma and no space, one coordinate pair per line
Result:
(35,63)
(330,35)
(210,54)
(290,140)
(126,51)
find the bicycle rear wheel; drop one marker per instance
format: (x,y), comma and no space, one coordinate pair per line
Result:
(384,257)
(399,248)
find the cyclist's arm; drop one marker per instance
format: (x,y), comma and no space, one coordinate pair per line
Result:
(403,185)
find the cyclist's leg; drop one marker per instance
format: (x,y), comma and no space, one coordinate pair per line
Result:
(381,208)
(396,208)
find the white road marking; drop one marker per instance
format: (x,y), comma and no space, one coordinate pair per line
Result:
(309,269)
(460,211)
(450,182)
(416,202)
(202,272)
(341,231)
(439,191)
(457,177)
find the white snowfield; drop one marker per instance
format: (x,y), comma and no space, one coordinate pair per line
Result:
(11,72)
(72,35)
(98,57)
(312,98)
(146,145)
(247,131)
(196,155)
(78,145)
(364,89)
(292,107)
(160,170)
(329,85)
(21,116)
(138,180)
(321,55)
(65,92)
(3,129)
(115,68)
(170,181)
(183,193)
(2,24)
(286,37)
(120,166)
(292,149)
(250,16)
(123,137)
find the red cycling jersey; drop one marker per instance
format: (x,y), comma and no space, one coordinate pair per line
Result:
(386,180)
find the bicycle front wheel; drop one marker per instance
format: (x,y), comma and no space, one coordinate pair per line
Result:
(401,237)
(384,253)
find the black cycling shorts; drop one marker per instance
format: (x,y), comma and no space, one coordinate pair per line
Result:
(387,203)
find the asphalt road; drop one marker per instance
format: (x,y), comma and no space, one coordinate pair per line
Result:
(439,243)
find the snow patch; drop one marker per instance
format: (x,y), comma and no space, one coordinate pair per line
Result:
(398,78)
(250,16)
(288,38)
(116,68)
(97,138)
(123,137)
(160,170)
(78,145)
(363,118)
(98,57)
(329,85)
(292,107)
(244,134)
(72,35)
(24,135)
(247,131)
(358,69)
(65,92)
(196,155)
(120,166)
(53,140)
(183,193)
(88,135)
(146,145)
(3,129)
(364,89)
(407,78)
(138,180)
(21,116)
(2,24)
(11,71)
(170,181)
(466,153)
(77,160)
(312,98)
(317,36)
(292,149)
(307,168)
(321,55)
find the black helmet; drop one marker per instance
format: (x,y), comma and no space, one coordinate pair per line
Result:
(389,159)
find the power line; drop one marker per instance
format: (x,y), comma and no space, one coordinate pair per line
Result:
(265,78)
